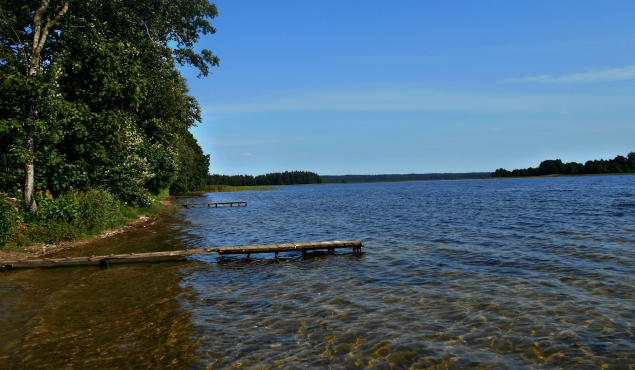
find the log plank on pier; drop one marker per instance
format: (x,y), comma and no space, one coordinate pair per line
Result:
(245,249)
(215,204)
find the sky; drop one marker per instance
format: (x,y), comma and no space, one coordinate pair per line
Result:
(423,86)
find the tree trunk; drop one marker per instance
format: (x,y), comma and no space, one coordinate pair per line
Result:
(41,29)
(29,168)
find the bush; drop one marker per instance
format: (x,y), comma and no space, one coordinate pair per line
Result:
(72,215)
(8,216)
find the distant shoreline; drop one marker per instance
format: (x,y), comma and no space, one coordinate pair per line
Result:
(360,179)
(484,178)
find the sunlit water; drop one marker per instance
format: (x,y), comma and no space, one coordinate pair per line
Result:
(519,273)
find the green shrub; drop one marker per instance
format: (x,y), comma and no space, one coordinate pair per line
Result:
(8,216)
(72,215)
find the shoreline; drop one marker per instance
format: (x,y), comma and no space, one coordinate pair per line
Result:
(46,250)
(478,179)
(41,250)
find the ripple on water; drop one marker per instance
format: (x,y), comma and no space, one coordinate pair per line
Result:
(487,274)
(521,273)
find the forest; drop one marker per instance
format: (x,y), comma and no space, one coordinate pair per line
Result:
(276,178)
(343,179)
(619,164)
(92,102)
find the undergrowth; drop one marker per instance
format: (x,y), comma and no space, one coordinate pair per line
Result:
(76,214)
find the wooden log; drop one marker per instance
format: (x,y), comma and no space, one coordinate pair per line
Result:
(215,204)
(220,251)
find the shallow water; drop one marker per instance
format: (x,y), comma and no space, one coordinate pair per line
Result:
(519,273)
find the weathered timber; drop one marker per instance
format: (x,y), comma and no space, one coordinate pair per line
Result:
(214,204)
(220,251)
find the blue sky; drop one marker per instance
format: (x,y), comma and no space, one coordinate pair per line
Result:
(372,87)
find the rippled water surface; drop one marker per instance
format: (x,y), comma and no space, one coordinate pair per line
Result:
(519,273)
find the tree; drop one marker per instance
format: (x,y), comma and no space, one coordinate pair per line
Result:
(551,167)
(80,100)
(44,19)
(25,36)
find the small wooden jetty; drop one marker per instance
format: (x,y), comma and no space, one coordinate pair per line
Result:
(104,261)
(214,204)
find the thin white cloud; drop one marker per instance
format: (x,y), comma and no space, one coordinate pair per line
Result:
(246,154)
(610,74)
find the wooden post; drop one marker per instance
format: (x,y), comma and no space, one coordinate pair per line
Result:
(277,255)
(104,264)
(220,257)
(248,256)
(304,253)
(216,205)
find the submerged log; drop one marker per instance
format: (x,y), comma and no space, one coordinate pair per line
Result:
(303,247)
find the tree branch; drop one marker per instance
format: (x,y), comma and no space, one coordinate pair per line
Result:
(148,32)
(50,23)
(37,19)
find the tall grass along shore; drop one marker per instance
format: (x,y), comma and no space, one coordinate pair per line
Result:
(73,215)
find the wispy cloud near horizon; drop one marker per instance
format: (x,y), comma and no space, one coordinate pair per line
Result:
(604,75)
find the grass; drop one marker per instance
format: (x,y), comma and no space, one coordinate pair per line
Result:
(81,214)
(75,215)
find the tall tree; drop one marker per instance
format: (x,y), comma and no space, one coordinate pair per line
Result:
(76,97)
(45,18)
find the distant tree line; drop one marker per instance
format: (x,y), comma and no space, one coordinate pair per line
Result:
(344,179)
(276,178)
(619,164)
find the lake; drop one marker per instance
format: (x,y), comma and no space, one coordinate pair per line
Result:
(514,273)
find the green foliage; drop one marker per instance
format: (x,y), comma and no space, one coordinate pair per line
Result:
(619,164)
(69,216)
(229,188)
(112,109)
(8,217)
(193,166)
(72,215)
(276,178)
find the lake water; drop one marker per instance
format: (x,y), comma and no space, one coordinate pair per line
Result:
(516,273)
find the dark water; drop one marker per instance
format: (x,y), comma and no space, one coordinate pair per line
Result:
(521,273)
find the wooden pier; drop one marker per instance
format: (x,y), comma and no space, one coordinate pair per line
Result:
(104,261)
(214,204)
